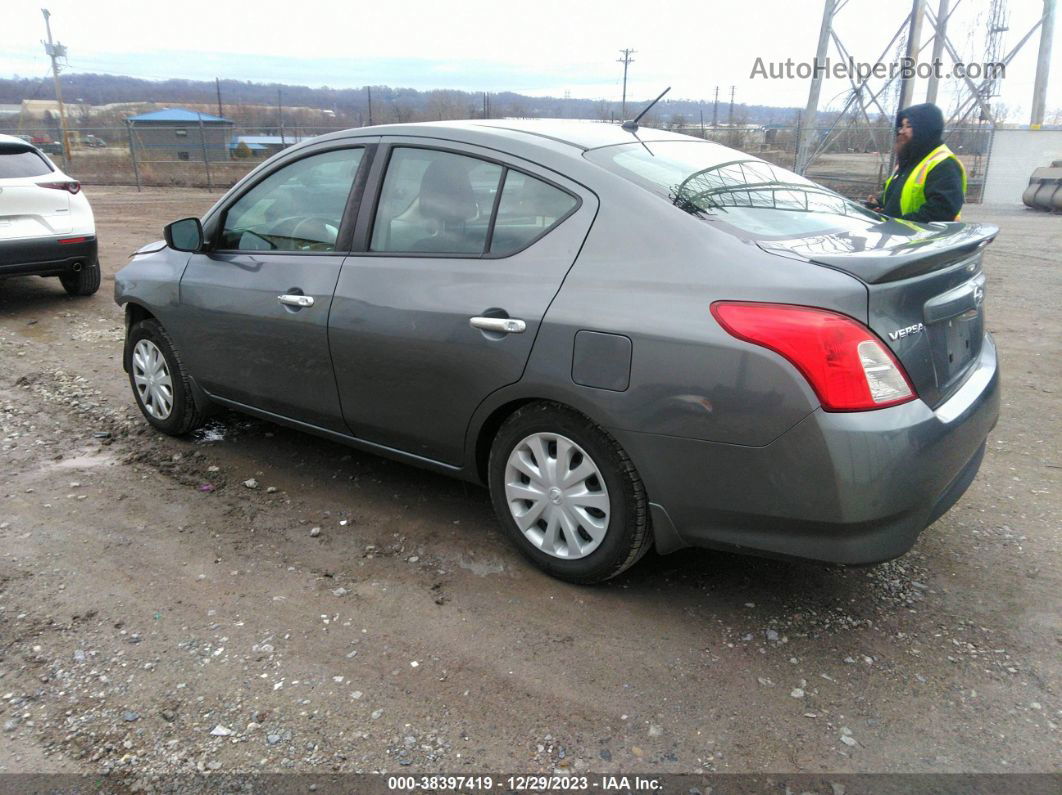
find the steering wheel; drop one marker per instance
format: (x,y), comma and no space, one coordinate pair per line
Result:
(315,229)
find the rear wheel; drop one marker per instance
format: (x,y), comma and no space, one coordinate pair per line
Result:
(160,383)
(83,282)
(567,494)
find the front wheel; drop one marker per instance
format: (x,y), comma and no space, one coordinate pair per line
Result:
(567,494)
(160,383)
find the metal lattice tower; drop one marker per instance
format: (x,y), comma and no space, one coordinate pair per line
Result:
(994,41)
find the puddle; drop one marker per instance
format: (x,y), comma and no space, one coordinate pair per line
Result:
(213,431)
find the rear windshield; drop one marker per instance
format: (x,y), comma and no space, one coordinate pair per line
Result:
(18,162)
(710,181)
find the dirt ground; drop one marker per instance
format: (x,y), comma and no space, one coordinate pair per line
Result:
(158,616)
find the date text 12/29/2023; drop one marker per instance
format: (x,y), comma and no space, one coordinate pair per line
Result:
(522,783)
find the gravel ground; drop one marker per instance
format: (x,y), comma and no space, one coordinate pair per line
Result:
(254,599)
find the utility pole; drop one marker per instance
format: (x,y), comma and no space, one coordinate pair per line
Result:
(55,52)
(811,111)
(368,91)
(484,104)
(914,41)
(217,84)
(1043,65)
(626,60)
(715,109)
(938,49)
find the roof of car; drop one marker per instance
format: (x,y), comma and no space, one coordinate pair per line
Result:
(557,134)
(12,139)
(583,134)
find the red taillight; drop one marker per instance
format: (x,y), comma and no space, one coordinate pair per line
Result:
(849,368)
(71,185)
(65,240)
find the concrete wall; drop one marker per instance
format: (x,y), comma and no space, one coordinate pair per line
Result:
(163,141)
(1014,156)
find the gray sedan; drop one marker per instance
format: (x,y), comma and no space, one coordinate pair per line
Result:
(633,338)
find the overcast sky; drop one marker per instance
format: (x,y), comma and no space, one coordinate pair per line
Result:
(542,47)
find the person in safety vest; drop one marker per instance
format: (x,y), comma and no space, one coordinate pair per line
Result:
(929,183)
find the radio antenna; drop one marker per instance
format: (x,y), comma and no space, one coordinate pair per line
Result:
(632,125)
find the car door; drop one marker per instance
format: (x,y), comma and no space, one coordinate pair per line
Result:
(255,305)
(461,254)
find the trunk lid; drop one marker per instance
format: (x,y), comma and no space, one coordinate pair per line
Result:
(28,210)
(925,292)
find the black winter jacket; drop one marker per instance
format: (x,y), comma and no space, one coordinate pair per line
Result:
(943,188)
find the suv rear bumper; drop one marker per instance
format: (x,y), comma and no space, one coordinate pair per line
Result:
(46,256)
(853,488)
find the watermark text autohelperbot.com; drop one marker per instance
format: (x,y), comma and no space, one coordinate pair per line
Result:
(905,68)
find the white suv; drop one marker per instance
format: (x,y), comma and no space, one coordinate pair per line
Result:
(46,223)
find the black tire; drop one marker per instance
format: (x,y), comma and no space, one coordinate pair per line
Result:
(628,535)
(184,415)
(83,282)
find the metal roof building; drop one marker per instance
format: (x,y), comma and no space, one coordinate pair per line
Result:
(177,116)
(180,134)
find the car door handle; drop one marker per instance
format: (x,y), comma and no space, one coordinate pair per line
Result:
(502,325)
(295,300)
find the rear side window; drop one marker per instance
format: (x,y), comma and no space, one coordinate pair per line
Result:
(528,209)
(435,202)
(16,163)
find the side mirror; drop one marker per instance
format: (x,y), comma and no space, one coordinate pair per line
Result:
(184,235)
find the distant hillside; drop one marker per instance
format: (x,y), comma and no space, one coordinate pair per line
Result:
(388,104)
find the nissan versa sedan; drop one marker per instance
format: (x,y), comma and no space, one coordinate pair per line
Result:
(633,338)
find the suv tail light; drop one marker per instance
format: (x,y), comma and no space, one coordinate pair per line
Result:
(846,364)
(71,185)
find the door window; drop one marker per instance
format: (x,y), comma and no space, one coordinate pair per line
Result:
(435,202)
(528,209)
(298,208)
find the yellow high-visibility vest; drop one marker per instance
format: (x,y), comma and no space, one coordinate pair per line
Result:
(913,193)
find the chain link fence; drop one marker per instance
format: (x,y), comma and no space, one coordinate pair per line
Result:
(200,155)
(854,161)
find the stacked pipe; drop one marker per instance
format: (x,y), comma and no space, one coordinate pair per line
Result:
(1045,188)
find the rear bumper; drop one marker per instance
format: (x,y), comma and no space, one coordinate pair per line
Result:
(45,256)
(852,488)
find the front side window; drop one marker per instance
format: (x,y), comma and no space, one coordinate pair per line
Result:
(435,202)
(298,208)
(15,163)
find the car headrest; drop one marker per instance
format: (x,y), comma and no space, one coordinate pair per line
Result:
(446,192)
